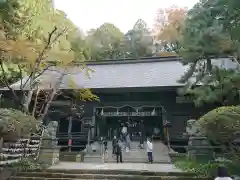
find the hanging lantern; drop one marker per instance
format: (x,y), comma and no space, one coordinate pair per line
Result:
(102,113)
(153,113)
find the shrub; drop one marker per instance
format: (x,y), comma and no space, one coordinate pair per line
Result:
(205,168)
(15,124)
(28,164)
(201,169)
(220,125)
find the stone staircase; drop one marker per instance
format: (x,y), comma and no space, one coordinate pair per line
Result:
(138,155)
(64,174)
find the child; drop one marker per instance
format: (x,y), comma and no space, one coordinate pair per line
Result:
(149,150)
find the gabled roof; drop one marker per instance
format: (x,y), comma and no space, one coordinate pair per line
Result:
(151,72)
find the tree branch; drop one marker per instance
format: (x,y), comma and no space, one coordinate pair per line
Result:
(41,55)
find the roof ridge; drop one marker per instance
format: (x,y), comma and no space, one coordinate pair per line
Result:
(134,60)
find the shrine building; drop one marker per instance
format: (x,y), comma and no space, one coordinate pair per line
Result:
(131,91)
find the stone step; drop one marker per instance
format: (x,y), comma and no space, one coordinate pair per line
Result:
(93,159)
(138,160)
(108,171)
(140,156)
(117,176)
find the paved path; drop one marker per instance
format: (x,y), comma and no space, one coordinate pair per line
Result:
(114,166)
(160,153)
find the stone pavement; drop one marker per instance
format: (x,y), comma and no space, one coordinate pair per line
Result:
(137,155)
(115,166)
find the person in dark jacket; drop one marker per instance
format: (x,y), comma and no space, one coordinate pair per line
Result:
(119,151)
(114,145)
(105,143)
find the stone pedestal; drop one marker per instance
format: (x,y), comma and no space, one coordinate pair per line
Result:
(49,151)
(93,159)
(80,157)
(68,156)
(49,142)
(199,148)
(49,156)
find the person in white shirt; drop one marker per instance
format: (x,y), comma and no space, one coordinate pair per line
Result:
(222,174)
(124,133)
(149,150)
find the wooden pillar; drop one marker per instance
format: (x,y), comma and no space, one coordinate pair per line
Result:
(93,130)
(1,144)
(69,133)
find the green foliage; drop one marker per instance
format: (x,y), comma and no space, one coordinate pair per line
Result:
(204,168)
(108,42)
(207,35)
(14,124)
(11,73)
(33,21)
(81,48)
(105,42)
(221,87)
(28,164)
(138,41)
(220,125)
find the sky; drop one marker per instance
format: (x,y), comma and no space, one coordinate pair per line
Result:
(87,14)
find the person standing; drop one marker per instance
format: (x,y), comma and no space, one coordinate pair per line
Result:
(119,151)
(124,132)
(114,145)
(222,174)
(141,128)
(150,150)
(128,142)
(105,143)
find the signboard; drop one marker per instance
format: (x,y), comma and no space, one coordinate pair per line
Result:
(119,114)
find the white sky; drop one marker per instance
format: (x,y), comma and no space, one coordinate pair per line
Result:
(87,14)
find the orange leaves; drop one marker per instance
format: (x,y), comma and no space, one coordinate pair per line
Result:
(168,23)
(18,50)
(226,45)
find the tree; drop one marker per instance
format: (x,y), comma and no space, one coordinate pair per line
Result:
(81,49)
(138,41)
(227,12)
(167,27)
(204,39)
(105,42)
(221,125)
(35,43)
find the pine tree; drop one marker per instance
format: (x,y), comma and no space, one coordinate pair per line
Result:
(206,37)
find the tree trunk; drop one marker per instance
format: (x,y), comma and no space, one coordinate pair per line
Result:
(27,100)
(35,103)
(53,93)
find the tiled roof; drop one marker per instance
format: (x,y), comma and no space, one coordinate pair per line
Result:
(117,75)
